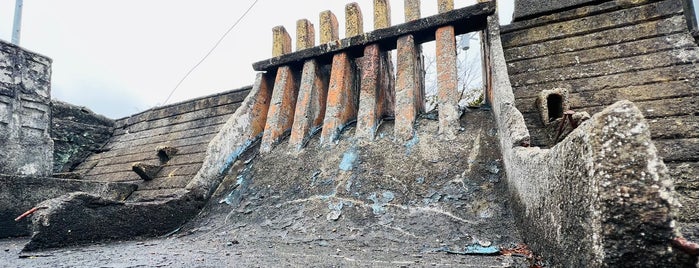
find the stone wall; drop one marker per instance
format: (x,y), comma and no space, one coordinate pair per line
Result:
(26,147)
(602,197)
(77,132)
(608,51)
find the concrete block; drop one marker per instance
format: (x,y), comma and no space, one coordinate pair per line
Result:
(281,41)
(147,172)
(280,116)
(305,34)
(412,10)
(329,29)
(310,105)
(342,98)
(382,14)
(447,82)
(354,24)
(445,5)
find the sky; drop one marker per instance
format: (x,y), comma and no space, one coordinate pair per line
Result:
(122,57)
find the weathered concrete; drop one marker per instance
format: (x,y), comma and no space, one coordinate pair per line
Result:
(19,194)
(310,105)
(447,81)
(464,20)
(281,41)
(329,28)
(342,98)
(409,102)
(529,8)
(26,147)
(305,35)
(382,14)
(80,217)
(411,9)
(77,132)
(602,197)
(280,116)
(241,130)
(354,21)
(608,51)
(370,95)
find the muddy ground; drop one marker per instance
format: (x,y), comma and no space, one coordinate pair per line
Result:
(385,203)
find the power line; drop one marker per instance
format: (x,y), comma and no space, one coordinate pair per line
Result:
(210,51)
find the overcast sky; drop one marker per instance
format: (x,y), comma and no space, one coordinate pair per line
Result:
(121,57)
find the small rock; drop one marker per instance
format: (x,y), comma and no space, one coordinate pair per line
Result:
(147,172)
(7,250)
(485,243)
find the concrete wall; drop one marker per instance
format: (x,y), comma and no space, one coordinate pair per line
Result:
(601,197)
(77,133)
(26,147)
(528,8)
(640,51)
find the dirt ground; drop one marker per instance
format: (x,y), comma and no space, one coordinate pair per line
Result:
(384,203)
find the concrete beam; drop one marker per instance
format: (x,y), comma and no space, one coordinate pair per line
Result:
(464,20)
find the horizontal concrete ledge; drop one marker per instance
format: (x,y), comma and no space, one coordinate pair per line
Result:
(465,20)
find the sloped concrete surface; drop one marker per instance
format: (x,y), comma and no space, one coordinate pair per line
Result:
(383,204)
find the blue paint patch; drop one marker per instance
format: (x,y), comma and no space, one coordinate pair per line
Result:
(379,206)
(478,249)
(349,158)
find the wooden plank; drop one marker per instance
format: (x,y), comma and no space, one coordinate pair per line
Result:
(662,27)
(685,175)
(144,157)
(678,150)
(623,50)
(465,20)
(620,80)
(593,23)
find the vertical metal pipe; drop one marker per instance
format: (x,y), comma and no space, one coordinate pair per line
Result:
(17,26)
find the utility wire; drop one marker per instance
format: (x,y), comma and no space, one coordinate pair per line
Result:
(210,51)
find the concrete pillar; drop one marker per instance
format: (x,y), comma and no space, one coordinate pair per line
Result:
(408,100)
(281,41)
(305,35)
(342,104)
(412,10)
(343,92)
(354,24)
(280,116)
(369,115)
(310,105)
(377,93)
(447,81)
(329,29)
(445,5)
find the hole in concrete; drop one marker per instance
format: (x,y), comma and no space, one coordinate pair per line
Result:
(554,105)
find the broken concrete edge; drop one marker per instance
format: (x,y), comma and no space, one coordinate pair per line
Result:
(80,217)
(234,138)
(601,197)
(21,193)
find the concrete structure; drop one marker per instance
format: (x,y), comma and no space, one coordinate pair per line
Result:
(587,57)
(26,147)
(609,184)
